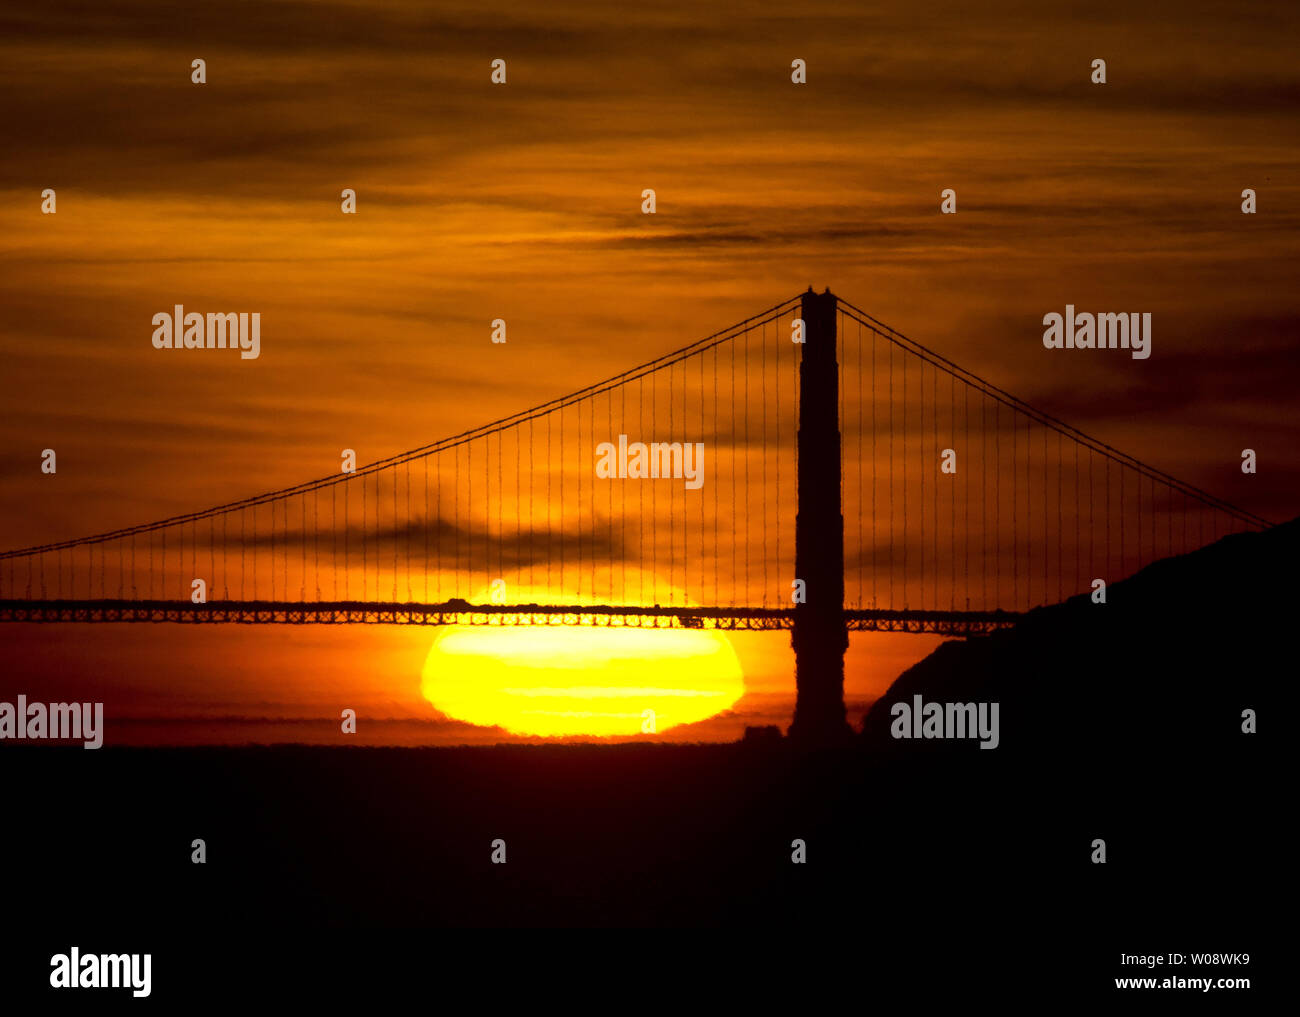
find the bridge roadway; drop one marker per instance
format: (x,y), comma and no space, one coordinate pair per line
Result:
(460,612)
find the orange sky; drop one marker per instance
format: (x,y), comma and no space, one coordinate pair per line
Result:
(523,202)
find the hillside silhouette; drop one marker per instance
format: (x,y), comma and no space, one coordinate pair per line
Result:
(1160,671)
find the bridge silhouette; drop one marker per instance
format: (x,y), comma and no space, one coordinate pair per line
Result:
(965,507)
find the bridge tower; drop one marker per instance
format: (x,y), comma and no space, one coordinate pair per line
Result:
(821,633)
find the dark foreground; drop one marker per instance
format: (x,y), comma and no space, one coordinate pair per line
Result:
(932,866)
(957,870)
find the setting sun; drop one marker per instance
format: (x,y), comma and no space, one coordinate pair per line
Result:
(561,681)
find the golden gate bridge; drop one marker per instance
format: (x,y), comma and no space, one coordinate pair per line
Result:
(853,479)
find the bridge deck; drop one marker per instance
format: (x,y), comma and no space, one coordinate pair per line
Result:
(459,612)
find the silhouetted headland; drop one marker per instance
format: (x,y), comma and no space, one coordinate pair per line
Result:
(1160,672)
